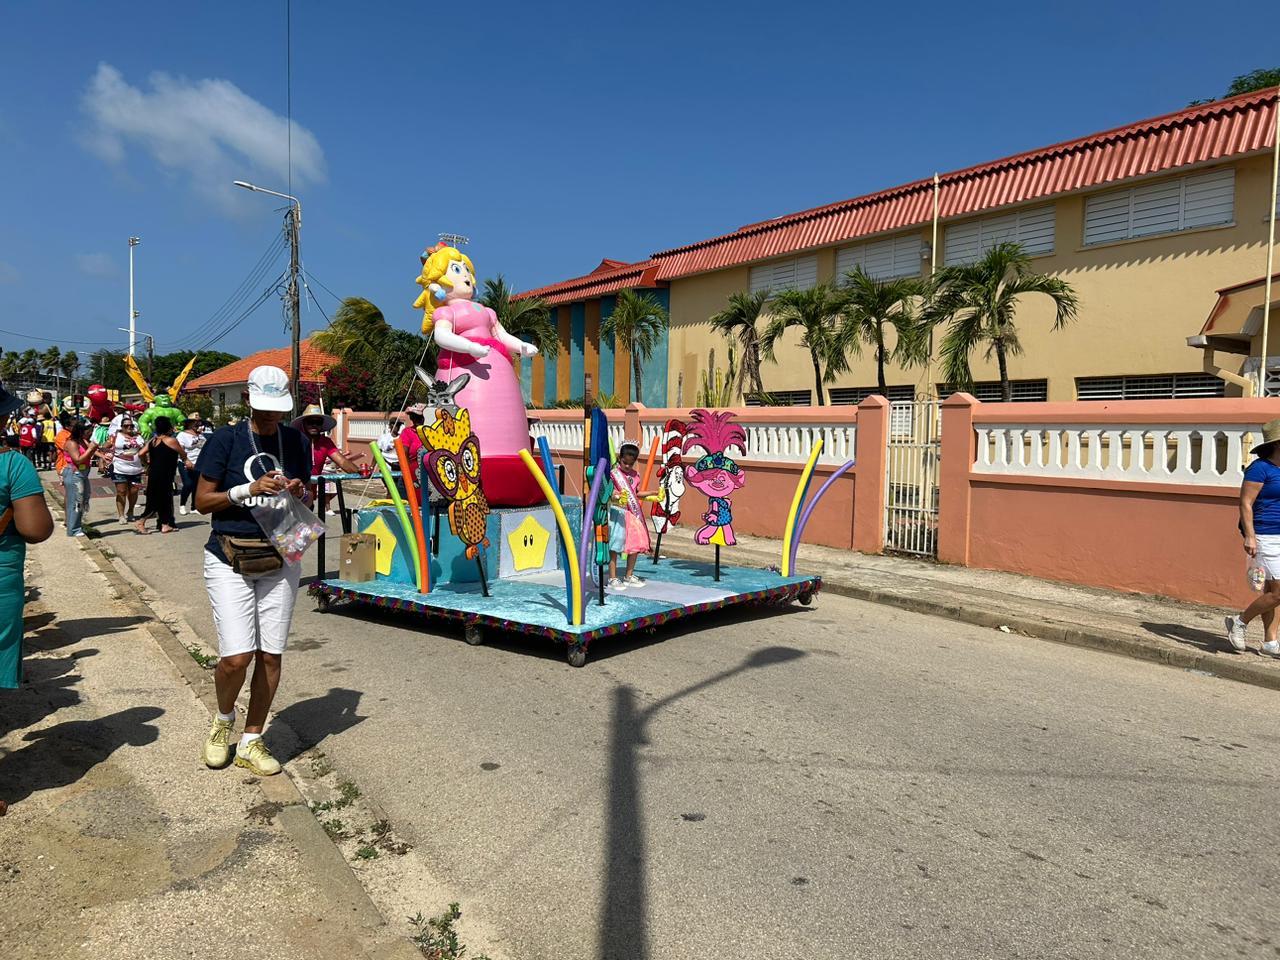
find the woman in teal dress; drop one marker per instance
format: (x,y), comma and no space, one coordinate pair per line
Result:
(24,518)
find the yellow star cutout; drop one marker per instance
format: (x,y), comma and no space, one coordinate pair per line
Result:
(528,543)
(386,544)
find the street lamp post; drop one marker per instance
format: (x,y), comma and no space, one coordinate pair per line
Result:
(133,314)
(293,224)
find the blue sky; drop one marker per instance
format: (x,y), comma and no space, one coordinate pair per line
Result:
(551,134)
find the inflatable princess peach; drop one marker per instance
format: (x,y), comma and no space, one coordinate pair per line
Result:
(473,341)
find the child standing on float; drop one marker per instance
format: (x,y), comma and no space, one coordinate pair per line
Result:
(628,534)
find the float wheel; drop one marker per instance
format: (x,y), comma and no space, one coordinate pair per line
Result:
(473,633)
(805,598)
(577,655)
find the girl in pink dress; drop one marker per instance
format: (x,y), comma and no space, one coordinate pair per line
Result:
(473,341)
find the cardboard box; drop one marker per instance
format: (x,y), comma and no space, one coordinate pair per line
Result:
(358,554)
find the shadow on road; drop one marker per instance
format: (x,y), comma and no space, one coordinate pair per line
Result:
(307,722)
(62,754)
(624,927)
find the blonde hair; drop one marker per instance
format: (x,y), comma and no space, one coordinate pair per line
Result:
(434,270)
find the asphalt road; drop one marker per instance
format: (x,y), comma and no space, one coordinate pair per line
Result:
(843,781)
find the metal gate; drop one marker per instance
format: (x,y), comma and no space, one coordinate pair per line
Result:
(911,497)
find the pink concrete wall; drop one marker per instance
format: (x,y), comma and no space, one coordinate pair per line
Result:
(1181,545)
(1177,540)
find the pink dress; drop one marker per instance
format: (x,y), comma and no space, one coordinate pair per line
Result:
(495,403)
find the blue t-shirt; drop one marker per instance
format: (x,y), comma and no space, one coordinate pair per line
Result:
(229,459)
(1266,508)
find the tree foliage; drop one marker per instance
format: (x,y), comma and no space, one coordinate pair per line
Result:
(636,325)
(740,320)
(978,303)
(1260,79)
(870,308)
(817,313)
(528,318)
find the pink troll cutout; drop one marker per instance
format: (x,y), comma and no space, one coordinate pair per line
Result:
(715,474)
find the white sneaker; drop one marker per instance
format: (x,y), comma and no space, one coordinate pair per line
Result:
(182,510)
(1271,648)
(1235,633)
(616,584)
(634,581)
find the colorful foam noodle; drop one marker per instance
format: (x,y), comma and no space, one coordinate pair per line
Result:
(589,510)
(549,470)
(575,600)
(648,467)
(808,509)
(415,511)
(802,488)
(383,469)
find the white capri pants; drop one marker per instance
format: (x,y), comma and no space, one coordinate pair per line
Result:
(251,615)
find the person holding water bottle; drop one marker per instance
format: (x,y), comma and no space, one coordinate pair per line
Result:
(1260,524)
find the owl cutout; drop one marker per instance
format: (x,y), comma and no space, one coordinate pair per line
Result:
(452,454)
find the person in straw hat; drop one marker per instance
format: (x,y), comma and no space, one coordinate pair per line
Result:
(1260,524)
(317,425)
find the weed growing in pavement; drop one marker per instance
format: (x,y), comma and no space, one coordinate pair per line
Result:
(367,853)
(347,794)
(200,657)
(436,938)
(320,765)
(335,828)
(383,839)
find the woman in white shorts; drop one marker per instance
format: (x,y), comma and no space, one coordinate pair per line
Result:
(251,589)
(1260,524)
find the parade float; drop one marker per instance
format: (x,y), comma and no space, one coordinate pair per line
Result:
(485,534)
(160,403)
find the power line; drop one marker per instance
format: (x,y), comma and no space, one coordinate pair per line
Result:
(237,298)
(312,276)
(83,343)
(262,298)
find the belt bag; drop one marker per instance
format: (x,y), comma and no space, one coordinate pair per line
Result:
(250,557)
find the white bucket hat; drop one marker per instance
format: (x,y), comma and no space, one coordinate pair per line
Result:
(269,390)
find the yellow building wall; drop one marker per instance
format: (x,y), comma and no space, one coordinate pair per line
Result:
(1139,301)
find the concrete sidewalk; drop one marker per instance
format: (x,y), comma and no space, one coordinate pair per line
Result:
(1167,631)
(118,842)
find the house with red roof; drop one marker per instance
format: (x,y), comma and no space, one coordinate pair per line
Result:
(1147,222)
(229,385)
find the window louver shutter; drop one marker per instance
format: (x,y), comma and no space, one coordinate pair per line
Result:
(1204,200)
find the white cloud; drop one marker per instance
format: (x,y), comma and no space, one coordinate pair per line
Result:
(9,273)
(208,130)
(96,264)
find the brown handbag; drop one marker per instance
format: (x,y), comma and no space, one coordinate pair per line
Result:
(250,557)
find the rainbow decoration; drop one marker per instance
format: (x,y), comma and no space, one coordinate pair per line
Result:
(588,513)
(802,489)
(383,469)
(575,603)
(411,491)
(808,509)
(549,469)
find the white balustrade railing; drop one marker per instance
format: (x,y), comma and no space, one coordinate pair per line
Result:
(777,442)
(365,429)
(1199,454)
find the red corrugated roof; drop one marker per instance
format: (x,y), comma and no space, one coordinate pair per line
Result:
(311,362)
(598,282)
(1213,131)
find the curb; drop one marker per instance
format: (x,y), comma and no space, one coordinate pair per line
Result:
(325,862)
(1039,628)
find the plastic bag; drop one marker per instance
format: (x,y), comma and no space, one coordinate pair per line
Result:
(1257,576)
(288,523)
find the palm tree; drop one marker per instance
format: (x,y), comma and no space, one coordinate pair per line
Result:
(740,320)
(978,302)
(9,365)
(870,306)
(356,334)
(528,318)
(30,366)
(817,312)
(51,363)
(70,367)
(636,324)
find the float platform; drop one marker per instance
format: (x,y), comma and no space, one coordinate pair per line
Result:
(536,604)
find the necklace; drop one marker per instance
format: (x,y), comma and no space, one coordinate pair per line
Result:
(257,451)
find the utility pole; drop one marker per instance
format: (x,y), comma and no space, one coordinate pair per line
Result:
(133,314)
(293,225)
(151,353)
(293,222)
